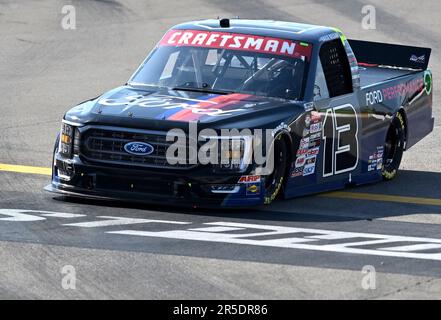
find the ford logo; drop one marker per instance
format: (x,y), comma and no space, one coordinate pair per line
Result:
(139,148)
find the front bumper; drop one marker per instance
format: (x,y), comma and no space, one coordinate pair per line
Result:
(195,187)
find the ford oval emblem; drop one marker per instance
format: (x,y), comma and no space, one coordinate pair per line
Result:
(139,148)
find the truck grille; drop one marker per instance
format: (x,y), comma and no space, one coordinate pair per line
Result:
(106,145)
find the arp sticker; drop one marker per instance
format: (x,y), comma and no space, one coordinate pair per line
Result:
(248,179)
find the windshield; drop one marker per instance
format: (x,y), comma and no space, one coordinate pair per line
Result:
(186,60)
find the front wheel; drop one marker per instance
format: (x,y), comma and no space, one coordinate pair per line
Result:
(394,148)
(56,145)
(274,181)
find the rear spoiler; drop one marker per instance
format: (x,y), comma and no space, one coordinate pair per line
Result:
(377,53)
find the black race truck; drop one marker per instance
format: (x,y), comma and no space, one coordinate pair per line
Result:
(339,111)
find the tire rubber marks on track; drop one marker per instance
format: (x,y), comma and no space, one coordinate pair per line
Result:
(255,235)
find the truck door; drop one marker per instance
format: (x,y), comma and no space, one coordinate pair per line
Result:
(339,112)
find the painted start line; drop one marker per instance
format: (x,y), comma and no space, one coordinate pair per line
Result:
(248,234)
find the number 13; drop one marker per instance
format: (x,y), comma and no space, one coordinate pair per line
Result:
(341,149)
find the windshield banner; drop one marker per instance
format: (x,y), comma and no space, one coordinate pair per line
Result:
(236,41)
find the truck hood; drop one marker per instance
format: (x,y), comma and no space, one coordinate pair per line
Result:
(161,108)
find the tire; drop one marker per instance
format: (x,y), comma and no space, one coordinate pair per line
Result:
(274,182)
(57,143)
(394,147)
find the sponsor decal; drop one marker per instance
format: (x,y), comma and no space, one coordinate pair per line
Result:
(300,161)
(301,152)
(314,143)
(374,97)
(182,109)
(297,172)
(315,116)
(418,59)
(313,151)
(375,161)
(317,135)
(304,143)
(379,164)
(403,89)
(307,120)
(329,37)
(428,81)
(315,127)
(253,189)
(139,148)
(195,112)
(310,160)
(308,170)
(305,132)
(309,106)
(236,41)
(248,179)
(281,127)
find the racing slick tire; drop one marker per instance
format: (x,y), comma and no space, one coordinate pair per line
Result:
(56,145)
(274,182)
(394,147)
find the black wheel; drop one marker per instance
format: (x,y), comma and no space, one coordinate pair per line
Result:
(274,182)
(393,148)
(57,143)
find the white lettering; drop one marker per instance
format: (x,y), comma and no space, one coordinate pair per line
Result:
(288,48)
(199,38)
(213,37)
(185,38)
(272,45)
(252,42)
(173,37)
(237,42)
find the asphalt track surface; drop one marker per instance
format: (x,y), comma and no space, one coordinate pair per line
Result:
(312,247)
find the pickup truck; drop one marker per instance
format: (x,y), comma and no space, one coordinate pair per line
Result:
(340,112)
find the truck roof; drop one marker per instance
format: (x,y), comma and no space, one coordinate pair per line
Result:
(269,28)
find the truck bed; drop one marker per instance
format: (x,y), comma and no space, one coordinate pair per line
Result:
(373,75)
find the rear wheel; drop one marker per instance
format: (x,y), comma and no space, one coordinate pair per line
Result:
(274,182)
(394,147)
